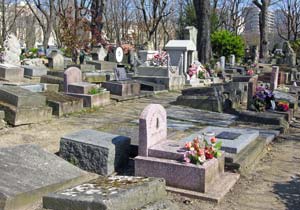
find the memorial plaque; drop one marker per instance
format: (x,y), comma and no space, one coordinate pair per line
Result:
(228,135)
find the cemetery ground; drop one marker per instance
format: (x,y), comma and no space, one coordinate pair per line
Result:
(273,183)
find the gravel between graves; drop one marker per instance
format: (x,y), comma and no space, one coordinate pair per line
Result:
(273,184)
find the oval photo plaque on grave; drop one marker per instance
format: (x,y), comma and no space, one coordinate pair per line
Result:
(119,54)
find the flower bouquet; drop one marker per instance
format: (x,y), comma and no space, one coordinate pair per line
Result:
(263,99)
(198,155)
(283,106)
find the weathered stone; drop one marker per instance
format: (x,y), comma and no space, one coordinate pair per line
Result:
(62,104)
(53,80)
(11,73)
(103,65)
(71,75)
(20,97)
(56,61)
(112,193)
(94,151)
(34,71)
(28,173)
(83,67)
(123,88)
(99,99)
(81,87)
(97,77)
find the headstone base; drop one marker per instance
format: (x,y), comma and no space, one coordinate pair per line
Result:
(100,99)
(123,88)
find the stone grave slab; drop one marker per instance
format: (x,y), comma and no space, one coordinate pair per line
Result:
(159,157)
(62,104)
(200,116)
(41,87)
(100,99)
(49,79)
(96,151)
(20,97)
(229,145)
(27,173)
(122,86)
(22,106)
(11,72)
(34,71)
(81,87)
(111,193)
(56,61)
(97,77)
(74,86)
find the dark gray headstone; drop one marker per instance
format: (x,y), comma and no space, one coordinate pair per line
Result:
(95,151)
(120,74)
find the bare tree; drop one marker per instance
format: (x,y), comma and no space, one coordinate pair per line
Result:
(288,25)
(97,23)
(10,11)
(44,12)
(263,6)
(153,11)
(203,11)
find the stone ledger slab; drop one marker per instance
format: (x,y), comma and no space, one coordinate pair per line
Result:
(228,145)
(62,104)
(100,99)
(27,173)
(95,151)
(123,88)
(34,71)
(11,73)
(112,193)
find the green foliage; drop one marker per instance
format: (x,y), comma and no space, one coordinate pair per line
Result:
(225,43)
(95,91)
(214,22)
(296,46)
(34,50)
(67,52)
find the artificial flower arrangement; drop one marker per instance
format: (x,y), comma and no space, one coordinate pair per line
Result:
(160,59)
(263,99)
(283,106)
(196,154)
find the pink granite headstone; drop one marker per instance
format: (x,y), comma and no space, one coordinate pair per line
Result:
(72,75)
(152,127)
(274,77)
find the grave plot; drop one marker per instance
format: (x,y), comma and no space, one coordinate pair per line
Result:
(28,173)
(62,104)
(83,67)
(94,151)
(40,87)
(159,157)
(112,193)
(123,88)
(22,106)
(242,146)
(91,94)
(34,72)
(11,73)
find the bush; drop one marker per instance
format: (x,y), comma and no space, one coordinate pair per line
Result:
(225,43)
(34,50)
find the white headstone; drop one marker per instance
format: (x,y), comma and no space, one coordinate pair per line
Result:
(223,62)
(12,50)
(232,60)
(119,54)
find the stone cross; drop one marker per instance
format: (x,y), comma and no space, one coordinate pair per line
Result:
(152,127)
(274,77)
(72,75)
(120,74)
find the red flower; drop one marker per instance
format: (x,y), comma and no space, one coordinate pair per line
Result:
(213,140)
